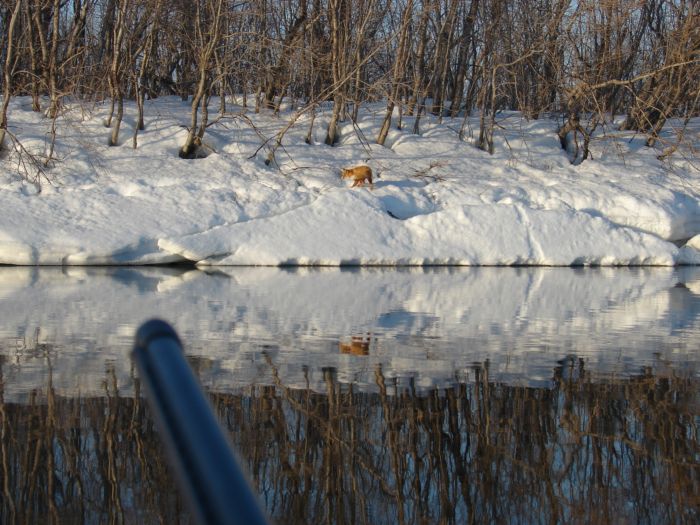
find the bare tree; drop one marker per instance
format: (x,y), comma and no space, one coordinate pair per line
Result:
(419,58)
(467,50)
(399,70)
(144,69)
(8,70)
(117,68)
(490,67)
(584,62)
(338,15)
(278,77)
(676,74)
(208,23)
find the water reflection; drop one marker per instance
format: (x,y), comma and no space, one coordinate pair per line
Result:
(366,396)
(82,460)
(427,327)
(579,451)
(358,345)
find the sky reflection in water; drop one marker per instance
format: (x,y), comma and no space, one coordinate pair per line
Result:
(438,395)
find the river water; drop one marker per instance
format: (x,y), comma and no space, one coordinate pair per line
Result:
(444,395)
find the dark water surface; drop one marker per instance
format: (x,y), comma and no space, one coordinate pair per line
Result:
(492,395)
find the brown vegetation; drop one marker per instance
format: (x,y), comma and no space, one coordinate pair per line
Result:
(579,450)
(584,61)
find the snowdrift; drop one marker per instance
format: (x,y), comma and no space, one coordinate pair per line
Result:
(354,228)
(437,200)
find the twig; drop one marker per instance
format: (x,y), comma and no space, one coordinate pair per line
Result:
(27,162)
(423,173)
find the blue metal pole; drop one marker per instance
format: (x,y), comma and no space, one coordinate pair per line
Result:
(208,473)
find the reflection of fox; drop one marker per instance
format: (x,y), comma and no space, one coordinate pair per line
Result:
(359,174)
(357,346)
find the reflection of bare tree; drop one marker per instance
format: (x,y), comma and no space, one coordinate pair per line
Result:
(77,460)
(8,500)
(579,450)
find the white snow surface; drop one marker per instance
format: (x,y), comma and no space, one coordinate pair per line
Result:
(436,200)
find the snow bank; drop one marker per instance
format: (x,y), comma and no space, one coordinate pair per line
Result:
(690,253)
(437,199)
(354,228)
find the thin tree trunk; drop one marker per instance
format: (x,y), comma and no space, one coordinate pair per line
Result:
(442,60)
(399,67)
(466,42)
(418,79)
(334,13)
(53,59)
(35,73)
(116,72)
(8,72)
(209,42)
(140,87)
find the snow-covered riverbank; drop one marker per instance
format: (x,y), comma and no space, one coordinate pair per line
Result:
(436,199)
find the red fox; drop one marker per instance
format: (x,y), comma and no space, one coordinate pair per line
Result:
(359,174)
